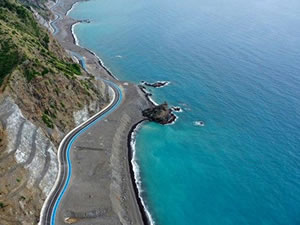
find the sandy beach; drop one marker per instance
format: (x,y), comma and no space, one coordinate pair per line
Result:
(102,189)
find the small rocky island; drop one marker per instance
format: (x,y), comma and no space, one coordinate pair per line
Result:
(159,113)
(157,84)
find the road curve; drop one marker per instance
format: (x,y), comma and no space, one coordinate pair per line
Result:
(48,212)
(57,17)
(51,204)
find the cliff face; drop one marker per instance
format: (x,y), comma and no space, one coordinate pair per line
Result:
(28,166)
(43,95)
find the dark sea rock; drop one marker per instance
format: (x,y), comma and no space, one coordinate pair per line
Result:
(161,114)
(86,21)
(157,84)
(176,109)
(145,91)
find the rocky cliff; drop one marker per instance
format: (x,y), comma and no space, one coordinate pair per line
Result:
(43,95)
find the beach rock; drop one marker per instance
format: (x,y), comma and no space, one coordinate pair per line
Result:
(161,114)
(70,220)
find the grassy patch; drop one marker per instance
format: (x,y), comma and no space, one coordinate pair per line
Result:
(30,73)
(2,205)
(48,121)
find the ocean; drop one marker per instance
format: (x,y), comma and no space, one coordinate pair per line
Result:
(235,65)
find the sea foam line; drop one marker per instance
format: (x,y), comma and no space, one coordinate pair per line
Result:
(174,121)
(147,94)
(72,7)
(136,171)
(102,64)
(76,41)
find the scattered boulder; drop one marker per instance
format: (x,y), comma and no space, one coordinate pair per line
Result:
(161,114)
(70,220)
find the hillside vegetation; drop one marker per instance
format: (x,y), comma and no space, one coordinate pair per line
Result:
(45,82)
(41,89)
(24,44)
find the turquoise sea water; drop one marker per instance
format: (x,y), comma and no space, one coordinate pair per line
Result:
(234,64)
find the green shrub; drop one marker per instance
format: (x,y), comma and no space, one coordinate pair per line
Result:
(47,120)
(9,58)
(45,41)
(30,74)
(45,71)
(75,68)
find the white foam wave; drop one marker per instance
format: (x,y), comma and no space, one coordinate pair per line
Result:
(174,121)
(73,33)
(166,83)
(148,96)
(71,8)
(152,101)
(199,123)
(136,171)
(176,109)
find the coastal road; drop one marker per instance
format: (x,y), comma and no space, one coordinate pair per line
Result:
(65,166)
(57,200)
(57,17)
(52,202)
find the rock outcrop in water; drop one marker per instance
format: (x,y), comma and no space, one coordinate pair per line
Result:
(157,84)
(161,114)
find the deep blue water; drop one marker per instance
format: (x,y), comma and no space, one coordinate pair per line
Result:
(234,64)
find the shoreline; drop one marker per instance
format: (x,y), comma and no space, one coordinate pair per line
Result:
(75,39)
(145,214)
(72,7)
(131,140)
(76,42)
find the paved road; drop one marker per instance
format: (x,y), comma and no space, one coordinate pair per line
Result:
(52,202)
(57,17)
(65,166)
